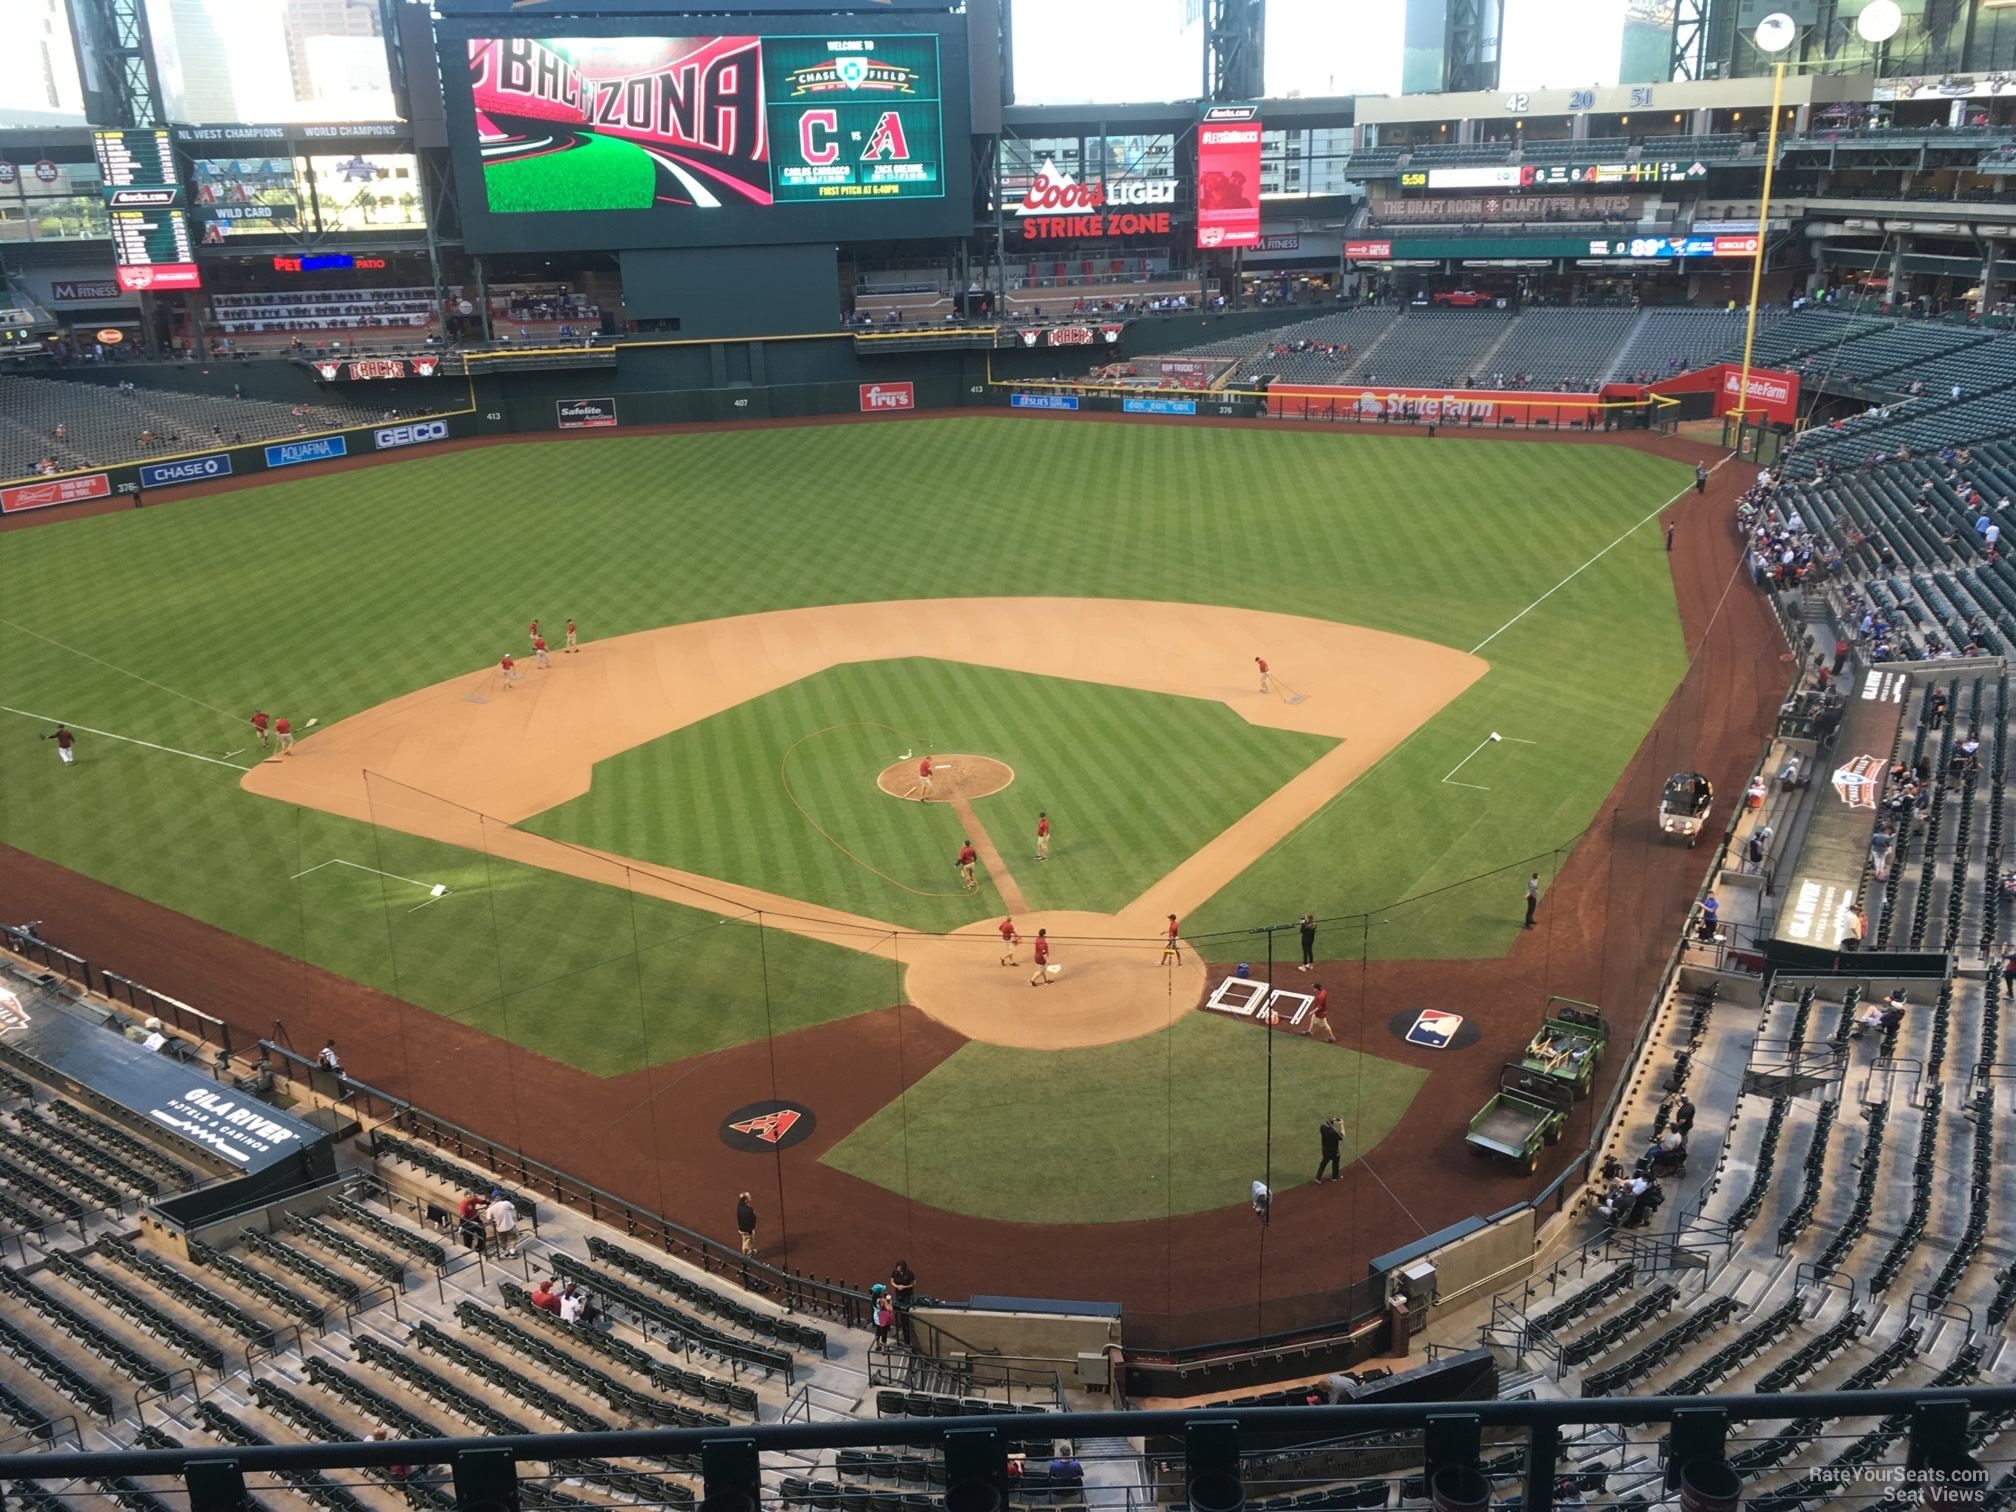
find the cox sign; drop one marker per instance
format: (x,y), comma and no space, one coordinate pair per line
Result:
(409,435)
(187,470)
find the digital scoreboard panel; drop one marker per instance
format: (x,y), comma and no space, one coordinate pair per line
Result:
(151,247)
(602,138)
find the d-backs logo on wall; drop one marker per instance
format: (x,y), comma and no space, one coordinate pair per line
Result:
(694,105)
(761,1128)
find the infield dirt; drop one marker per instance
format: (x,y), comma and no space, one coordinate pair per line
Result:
(508,750)
(1606,929)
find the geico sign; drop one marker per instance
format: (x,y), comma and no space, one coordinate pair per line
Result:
(1054,191)
(410,435)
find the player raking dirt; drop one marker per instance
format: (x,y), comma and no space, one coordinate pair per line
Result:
(511,758)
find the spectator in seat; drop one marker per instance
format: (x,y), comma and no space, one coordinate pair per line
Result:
(545,1298)
(573,1306)
(1067,1475)
(469,1221)
(503,1215)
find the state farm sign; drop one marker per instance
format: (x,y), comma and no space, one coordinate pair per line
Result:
(1058,208)
(888,396)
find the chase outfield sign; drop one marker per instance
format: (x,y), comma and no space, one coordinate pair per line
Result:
(187,470)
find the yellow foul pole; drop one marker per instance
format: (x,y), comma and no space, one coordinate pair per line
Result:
(1742,409)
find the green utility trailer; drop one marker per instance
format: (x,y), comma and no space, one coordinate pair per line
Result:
(1528,1112)
(1569,1043)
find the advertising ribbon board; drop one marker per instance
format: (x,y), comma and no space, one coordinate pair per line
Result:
(55,491)
(1228,176)
(876,397)
(186,470)
(321,449)
(585,414)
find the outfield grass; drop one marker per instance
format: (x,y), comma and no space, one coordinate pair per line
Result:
(711,798)
(1174,1123)
(602,173)
(323,596)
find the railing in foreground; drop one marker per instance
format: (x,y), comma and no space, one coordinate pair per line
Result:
(787,1288)
(1944,1447)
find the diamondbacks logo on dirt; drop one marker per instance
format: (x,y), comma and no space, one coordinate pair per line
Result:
(761,1128)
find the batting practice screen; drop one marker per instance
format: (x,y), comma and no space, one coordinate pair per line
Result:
(711,140)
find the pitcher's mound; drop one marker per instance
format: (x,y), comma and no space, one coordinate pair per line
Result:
(954,776)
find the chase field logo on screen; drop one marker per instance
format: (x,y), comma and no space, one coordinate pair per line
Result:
(643,123)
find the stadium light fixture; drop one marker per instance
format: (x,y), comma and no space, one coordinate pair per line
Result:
(1778,31)
(1879,21)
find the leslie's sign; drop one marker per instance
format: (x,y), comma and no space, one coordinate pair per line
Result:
(1058,208)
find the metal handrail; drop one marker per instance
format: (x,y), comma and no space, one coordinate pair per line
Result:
(1312,1422)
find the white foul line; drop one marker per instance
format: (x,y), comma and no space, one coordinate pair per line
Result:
(108,735)
(1514,739)
(1583,568)
(339,861)
(1459,767)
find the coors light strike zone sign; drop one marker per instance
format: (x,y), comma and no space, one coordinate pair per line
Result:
(1058,208)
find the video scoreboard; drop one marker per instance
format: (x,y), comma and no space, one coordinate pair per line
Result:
(710,140)
(151,248)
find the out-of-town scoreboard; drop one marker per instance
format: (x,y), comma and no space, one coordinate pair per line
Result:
(143,197)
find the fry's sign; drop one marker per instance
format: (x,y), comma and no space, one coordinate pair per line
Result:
(1058,208)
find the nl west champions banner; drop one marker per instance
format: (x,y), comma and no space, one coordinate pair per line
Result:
(639,123)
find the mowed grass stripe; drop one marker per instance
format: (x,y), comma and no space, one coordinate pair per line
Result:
(328,595)
(1124,817)
(1111,1134)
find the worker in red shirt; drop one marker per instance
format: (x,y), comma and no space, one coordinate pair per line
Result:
(1042,977)
(259,723)
(509,668)
(964,861)
(284,733)
(924,780)
(532,631)
(1172,948)
(1010,939)
(1319,1016)
(1042,836)
(539,651)
(570,637)
(1261,663)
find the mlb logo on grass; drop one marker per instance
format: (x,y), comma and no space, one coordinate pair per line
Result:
(1435,1029)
